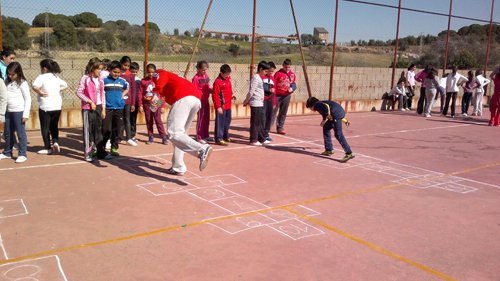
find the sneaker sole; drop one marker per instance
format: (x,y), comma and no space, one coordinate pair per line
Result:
(343,161)
(204,163)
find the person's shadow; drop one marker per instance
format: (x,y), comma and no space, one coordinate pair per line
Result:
(300,150)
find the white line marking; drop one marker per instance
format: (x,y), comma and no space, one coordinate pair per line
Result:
(3,248)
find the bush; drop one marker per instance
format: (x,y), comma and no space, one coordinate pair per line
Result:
(15,33)
(234,49)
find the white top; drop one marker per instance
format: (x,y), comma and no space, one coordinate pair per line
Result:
(3,100)
(19,98)
(51,84)
(452,82)
(410,76)
(442,82)
(97,90)
(255,96)
(483,81)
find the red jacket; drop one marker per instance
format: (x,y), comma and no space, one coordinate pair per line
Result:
(285,81)
(173,87)
(222,93)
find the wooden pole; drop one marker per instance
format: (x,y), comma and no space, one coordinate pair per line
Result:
(396,47)
(445,65)
(489,38)
(198,39)
(332,68)
(146,36)
(304,66)
(254,22)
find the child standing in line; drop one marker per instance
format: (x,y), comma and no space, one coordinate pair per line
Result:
(91,92)
(333,115)
(222,97)
(202,82)
(285,87)
(149,105)
(115,89)
(129,98)
(255,98)
(105,68)
(8,56)
(269,99)
(17,112)
(469,87)
(134,70)
(431,85)
(495,99)
(48,86)
(478,97)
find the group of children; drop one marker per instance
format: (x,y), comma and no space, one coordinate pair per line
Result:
(446,88)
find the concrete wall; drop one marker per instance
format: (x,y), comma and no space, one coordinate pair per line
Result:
(356,88)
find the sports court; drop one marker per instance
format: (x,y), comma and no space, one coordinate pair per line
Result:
(419,202)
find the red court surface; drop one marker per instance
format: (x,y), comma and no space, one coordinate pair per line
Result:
(421,201)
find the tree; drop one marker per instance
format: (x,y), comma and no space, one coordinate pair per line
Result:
(153,27)
(87,19)
(15,33)
(187,33)
(234,49)
(39,20)
(176,32)
(122,24)
(465,60)
(65,33)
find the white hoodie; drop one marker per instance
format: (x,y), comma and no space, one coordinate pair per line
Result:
(19,98)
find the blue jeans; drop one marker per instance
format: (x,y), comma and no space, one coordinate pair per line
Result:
(14,123)
(336,125)
(222,122)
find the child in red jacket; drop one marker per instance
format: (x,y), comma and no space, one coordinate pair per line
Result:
(222,95)
(285,87)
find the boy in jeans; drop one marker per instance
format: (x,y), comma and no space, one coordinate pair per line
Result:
(222,95)
(333,115)
(285,87)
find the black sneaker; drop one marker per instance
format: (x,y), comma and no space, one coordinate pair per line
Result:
(204,155)
(347,157)
(171,171)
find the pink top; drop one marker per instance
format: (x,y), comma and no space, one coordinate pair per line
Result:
(202,82)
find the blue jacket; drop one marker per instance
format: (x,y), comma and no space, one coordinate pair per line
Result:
(114,89)
(333,108)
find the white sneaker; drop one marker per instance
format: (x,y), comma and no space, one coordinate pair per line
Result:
(45,151)
(56,148)
(108,144)
(3,156)
(204,155)
(132,142)
(21,159)
(256,143)
(266,142)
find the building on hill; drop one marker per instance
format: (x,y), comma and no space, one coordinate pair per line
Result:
(322,34)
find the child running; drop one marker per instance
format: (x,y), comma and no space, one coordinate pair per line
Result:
(48,86)
(202,82)
(333,115)
(151,105)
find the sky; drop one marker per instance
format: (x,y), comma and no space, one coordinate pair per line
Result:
(356,21)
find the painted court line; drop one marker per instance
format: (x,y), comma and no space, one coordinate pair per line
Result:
(3,248)
(374,247)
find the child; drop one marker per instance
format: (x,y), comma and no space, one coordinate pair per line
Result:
(8,56)
(269,99)
(134,70)
(48,86)
(129,98)
(431,85)
(399,93)
(91,92)
(202,82)
(495,99)
(469,87)
(115,89)
(332,114)
(478,97)
(255,98)
(285,87)
(17,112)
(148,104)
(222,96)
(105,68)
(453,81)
(185,101)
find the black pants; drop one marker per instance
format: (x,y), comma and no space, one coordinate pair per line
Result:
(257,119)
(453,97)
(466,99)
(49,126)
(92,129)
(126,125)
(268,113)
(133,122)
(111,130)
(282,103)
(421,101)
(411,91)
